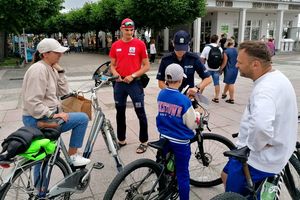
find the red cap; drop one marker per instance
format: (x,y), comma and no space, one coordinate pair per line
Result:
(127,23)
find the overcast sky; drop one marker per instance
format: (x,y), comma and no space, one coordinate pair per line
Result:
(73,4)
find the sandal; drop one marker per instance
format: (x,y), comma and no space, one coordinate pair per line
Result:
(122,144)
(141,148)
(230,101)
(216,100)
(224,96)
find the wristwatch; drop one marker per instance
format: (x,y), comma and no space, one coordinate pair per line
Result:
(133,76)
(61,71)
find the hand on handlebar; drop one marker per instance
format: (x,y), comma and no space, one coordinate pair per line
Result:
(191,92)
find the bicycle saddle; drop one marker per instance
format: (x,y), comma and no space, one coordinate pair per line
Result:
(159,144)
(241,154)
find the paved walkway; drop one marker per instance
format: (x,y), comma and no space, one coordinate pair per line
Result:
(224,118)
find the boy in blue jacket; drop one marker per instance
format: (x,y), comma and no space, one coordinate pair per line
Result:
(176,121)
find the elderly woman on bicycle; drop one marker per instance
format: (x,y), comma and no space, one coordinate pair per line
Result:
(43,82)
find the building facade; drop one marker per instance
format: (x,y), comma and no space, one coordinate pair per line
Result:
(248,20)
(252,20)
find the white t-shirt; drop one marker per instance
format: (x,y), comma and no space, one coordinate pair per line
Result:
(205,53)
(269,124)
(152,49)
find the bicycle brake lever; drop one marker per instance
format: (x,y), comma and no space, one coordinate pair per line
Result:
(207,127)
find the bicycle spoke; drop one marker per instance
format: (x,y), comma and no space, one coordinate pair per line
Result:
(206,176)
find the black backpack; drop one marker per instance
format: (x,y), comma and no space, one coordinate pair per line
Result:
(215,57)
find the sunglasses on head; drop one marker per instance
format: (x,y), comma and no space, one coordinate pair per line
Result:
(127,24)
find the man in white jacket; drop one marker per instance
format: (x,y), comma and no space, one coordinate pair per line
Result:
(269,123)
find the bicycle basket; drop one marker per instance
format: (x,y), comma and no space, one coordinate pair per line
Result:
(103,69)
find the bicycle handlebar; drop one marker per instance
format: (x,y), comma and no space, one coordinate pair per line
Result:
(104,80)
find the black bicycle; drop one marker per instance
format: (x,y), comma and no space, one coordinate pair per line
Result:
(149,179)
(290,175)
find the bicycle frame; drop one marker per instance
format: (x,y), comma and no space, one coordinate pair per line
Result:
(101,123)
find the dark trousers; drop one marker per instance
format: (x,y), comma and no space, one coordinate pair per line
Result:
(182,154)
(152,58)
(136,93)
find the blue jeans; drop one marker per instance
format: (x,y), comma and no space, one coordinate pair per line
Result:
(182,154)
(136,92)
(77,122)
(215,76)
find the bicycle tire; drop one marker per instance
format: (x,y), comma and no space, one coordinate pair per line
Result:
(229,196)
(293,176)
(10,190)
(124,185)
(214,145)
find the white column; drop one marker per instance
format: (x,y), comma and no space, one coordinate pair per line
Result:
(197,34)
(103,36)
(242,21)
(166,39)
(279,29)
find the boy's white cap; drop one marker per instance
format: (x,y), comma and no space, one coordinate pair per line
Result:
(50,44)
(174,72)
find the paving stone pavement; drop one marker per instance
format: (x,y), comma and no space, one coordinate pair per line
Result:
(224,118)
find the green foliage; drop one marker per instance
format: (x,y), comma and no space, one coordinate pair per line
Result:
(108,19)
(28,14)
(158,14)
(10,62)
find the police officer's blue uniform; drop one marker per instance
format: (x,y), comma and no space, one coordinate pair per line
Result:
(190,63)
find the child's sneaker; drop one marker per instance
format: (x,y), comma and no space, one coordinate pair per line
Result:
(78,160)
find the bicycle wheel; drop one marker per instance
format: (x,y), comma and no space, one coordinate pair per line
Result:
(292,177)
(229,196)
(213,145)
(136,181)
(22,185)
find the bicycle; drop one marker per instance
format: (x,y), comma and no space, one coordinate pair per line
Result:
(149,179)
(57,178)
(289,175)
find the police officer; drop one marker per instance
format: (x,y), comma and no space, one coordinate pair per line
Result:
(190,62)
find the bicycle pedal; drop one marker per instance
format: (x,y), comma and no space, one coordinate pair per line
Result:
(98,165)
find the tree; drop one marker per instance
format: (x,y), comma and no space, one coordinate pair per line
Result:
(29,14)
(159,14)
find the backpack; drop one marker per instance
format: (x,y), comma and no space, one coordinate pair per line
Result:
(215,57)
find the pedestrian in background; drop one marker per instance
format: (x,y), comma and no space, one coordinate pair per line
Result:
(190,63)
(213,70)
(152,50)
(271,46)
(230,70)
(129,61)
(235,42)
(223,41)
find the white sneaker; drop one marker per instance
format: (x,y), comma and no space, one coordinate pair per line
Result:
(78,160)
